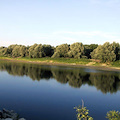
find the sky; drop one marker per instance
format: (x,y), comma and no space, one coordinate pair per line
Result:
(58,22)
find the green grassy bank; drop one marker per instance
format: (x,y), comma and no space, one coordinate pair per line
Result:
(66,61)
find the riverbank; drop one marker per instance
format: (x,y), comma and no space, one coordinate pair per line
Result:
(89,63)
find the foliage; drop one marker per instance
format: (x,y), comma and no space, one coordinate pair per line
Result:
(89,49)
(16,51)
(32,50)
(77,50)
(22,51)
(113,115)
(116,63)
(39,51)
(48,50)
(106,52)
(13,51)
(61,51)
(116,48)
(11,47)
(82,112)
(4,51)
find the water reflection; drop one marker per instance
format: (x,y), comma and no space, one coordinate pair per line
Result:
(104,81)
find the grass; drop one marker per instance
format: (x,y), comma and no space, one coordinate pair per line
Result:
(57,60)
(115,64)
(70,61)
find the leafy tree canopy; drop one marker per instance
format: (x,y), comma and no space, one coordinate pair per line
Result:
(106,52)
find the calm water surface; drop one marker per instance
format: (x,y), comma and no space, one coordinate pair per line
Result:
(50,92)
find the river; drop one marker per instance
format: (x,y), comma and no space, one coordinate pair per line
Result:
(42,92)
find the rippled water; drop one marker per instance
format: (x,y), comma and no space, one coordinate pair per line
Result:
(40,92)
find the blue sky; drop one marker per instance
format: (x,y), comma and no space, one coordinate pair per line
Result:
(57,22)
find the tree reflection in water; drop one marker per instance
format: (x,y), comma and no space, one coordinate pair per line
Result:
(104,81)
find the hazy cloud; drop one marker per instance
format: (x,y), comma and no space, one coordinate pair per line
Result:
(61,37)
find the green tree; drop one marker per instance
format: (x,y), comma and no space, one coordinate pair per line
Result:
(77,50)
(11,47)
(89,49)
(61,51)
(22,51)
(31,50)
(38,51)
(16,51)
(48,50)
(27,51)
(4,51)
(105,52)
(116,49)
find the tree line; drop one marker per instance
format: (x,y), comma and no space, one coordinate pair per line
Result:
(107,52)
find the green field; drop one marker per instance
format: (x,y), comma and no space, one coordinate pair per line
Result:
(66,61)
(54,60)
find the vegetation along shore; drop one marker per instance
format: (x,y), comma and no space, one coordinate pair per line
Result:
(106,56)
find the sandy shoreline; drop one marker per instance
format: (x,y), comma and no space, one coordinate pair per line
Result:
(107,68)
